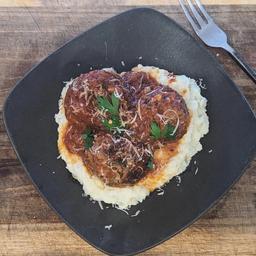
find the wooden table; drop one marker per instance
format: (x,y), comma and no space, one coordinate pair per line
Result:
(29,31)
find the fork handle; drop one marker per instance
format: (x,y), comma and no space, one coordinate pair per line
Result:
(246,67)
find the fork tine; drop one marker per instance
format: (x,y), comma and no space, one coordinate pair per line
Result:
(204,12)
(191,21)
(198,17)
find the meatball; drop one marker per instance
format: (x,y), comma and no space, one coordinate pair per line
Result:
(116,160)
(163,107)
(81,104)
(158,103)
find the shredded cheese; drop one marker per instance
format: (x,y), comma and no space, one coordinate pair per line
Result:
(100,204)
(136,213)
(200,83)
(139,113)
(160,191)
(177,117)
(178,179)
(118,95)
(122,210)
(108,226)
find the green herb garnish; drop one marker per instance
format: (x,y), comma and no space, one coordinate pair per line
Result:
(112,106)
(113,123)
(150,164)
(155,130)
(88,138)
(166,133)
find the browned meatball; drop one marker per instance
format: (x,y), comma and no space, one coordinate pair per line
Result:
(151,101)
(116,160)
(81,99)
(163,106)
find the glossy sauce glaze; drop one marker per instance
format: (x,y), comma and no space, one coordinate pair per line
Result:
(122,145)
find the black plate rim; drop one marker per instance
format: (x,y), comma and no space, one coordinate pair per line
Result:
(218,66)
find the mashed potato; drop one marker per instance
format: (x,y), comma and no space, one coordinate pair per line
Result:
(124,197)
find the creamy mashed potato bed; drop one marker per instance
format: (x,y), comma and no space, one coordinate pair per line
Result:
(189,145)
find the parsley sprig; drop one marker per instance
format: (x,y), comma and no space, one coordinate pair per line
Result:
(150,164)
(166,133)
(113,123)
(112,107)
(88,138)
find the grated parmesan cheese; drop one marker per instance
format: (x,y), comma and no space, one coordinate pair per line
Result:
(122,210)
(200,83)
(108,226)
(160,191)
(136,213)
(178,178)
(100,204)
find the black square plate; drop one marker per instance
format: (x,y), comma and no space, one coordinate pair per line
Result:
(29,118)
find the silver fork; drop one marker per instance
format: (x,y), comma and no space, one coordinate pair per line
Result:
(211,34)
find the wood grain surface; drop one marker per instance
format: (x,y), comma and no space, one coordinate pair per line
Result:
(29,31)
(33,3)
